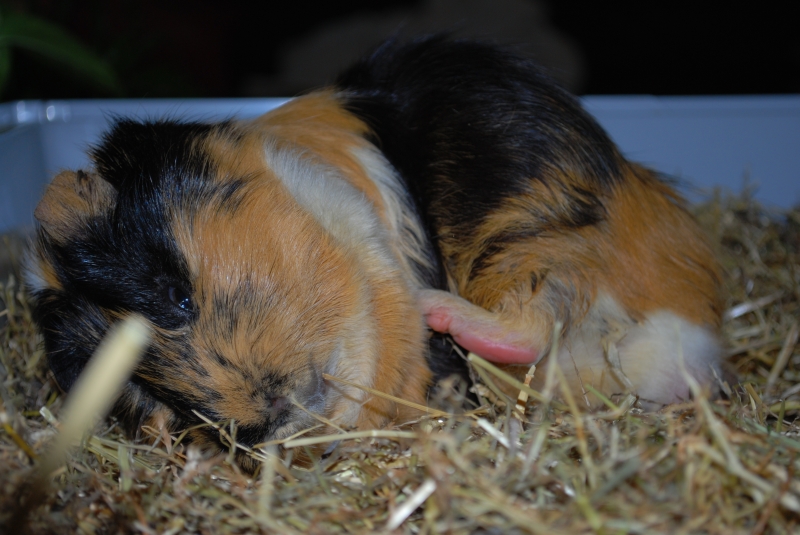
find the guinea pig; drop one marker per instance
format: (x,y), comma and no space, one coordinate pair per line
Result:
(439,187)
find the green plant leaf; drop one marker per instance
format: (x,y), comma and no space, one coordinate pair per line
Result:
(51,41)
(5,65)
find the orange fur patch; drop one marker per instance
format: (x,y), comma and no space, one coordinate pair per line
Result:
(306,301)
(318,123)
(648,253)
(71,199)
(647,257)
(658,257)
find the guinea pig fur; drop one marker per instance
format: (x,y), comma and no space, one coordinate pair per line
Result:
(439,185)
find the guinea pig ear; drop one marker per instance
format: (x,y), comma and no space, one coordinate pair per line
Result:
(476,329)
(70,200)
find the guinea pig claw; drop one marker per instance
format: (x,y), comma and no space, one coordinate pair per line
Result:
(476,329)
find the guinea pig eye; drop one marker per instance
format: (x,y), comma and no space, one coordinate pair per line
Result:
(180,299)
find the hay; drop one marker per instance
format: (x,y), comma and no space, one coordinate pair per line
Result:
(723,466)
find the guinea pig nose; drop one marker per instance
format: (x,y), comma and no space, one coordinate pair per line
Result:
(274,407)
(277,403)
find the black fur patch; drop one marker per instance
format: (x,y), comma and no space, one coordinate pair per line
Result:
(126,260)
(444,360)
(72,328)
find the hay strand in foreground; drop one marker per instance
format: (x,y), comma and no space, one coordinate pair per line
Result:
(93,394)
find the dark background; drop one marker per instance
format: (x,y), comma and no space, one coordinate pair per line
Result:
(200,48)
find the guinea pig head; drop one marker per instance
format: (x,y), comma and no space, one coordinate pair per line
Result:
(252,295)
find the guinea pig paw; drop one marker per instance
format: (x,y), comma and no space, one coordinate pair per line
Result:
(477,330)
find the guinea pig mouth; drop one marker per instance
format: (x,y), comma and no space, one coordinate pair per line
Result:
(254,434)
(284,415)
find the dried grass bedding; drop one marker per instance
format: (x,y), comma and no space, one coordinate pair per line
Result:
(708,466)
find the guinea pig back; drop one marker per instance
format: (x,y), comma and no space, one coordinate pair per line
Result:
(438,185)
